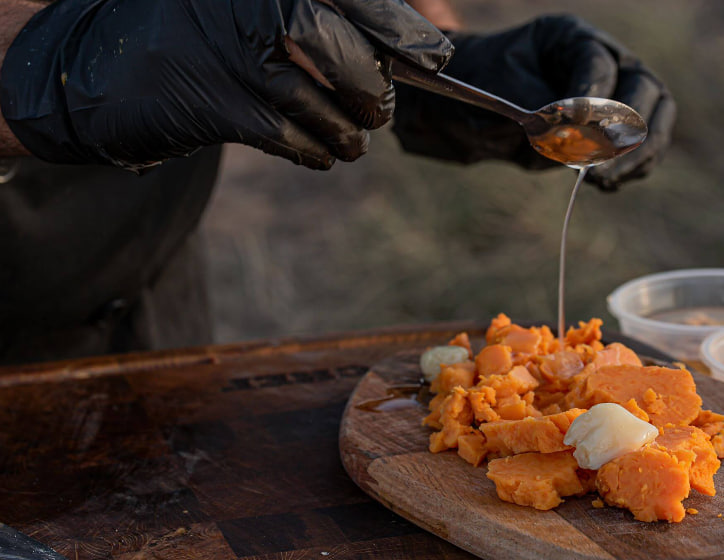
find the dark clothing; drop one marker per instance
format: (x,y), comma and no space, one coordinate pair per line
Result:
(91,257)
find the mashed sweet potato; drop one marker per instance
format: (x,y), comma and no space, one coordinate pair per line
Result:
(512,402)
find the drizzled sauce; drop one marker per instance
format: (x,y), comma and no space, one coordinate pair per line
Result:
(581,147)
(397,397)
(562,258)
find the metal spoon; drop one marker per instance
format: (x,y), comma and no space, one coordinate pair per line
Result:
(578,132)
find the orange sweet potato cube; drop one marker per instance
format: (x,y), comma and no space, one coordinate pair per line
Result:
(435,407)
(457,375)
(521,340)
(717,443)
(649,482)
(692,446)
(482,400)
(710,422)
(494,359)
(497,325)
(515,407)
(586,333)
(463,340)
(471,447)
(515,382)
(544,434)
(668,396)
(539,480)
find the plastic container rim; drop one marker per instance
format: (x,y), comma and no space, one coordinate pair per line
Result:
(706,346)
(615,308)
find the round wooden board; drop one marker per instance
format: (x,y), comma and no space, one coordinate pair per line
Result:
(384,449)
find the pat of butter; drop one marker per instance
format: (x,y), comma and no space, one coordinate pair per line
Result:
(434,357)
(605,432)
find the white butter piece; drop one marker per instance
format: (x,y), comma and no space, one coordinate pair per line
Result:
(434,357)
(605,432)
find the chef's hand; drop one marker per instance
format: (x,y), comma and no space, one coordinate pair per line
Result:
(551,58)
(132,82)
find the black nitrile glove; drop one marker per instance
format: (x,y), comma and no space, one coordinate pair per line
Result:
(551,58)
(132,82)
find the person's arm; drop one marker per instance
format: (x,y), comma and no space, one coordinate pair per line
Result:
(438,12)
(14,14)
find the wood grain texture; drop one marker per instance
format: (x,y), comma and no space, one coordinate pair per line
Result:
(384,449)
(218,453)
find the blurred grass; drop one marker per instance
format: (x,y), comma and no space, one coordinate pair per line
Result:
(395,239)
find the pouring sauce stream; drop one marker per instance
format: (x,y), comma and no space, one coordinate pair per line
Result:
(562,258)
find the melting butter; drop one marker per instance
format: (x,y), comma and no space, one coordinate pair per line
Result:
(605,432)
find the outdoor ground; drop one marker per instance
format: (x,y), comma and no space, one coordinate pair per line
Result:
(393,239)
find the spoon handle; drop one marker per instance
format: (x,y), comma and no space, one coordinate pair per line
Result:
(455,89)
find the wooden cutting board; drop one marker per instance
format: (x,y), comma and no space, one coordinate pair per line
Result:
(384,449)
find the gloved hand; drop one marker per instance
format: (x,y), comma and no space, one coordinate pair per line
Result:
(551,58)
(132,82)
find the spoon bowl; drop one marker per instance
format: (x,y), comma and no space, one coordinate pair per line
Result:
(577,132)
(583,131)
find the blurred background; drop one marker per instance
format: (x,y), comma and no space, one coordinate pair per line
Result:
(397,239)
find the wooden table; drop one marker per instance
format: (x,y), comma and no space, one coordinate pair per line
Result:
(215,453)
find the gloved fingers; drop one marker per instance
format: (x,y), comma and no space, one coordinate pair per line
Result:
(639,90)
(571,57)
(277,135)
(361,79)
(402,30)
(293,93)
(639,162)
(592,70)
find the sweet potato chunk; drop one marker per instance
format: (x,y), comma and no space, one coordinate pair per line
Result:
(633,407)
(456,407)
(515,407)
(495,359)
(448,437)
(456,418)
(587,333)
(717,443)
(517,398)
(539,480)
(558,368)
(457,375)
(650,482)
(482,400)
(496,326)
(544,434)
(517,381)
(616,354)
(710,422)
(668,396)
(435,406)
(462,340)
(690,445)
(521,340)
(471,447)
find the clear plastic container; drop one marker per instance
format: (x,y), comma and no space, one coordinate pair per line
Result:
(671,311)
(712,354)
